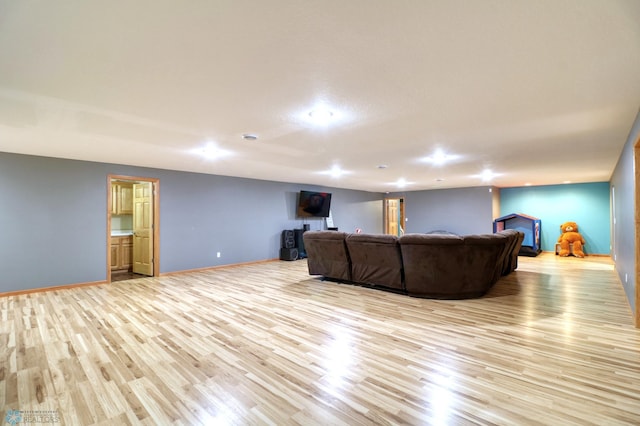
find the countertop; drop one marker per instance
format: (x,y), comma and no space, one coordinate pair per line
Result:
(121,233)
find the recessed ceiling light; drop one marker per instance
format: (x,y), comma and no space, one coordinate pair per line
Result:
(321,114)
(487,175)
(439,158)
(211,152)
(401,183)
(335,172)
(249,137)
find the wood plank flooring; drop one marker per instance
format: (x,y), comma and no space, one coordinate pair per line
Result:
(551,344)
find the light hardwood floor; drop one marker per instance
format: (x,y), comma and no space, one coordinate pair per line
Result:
(551,344)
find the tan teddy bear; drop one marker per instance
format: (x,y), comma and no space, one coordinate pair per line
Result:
(569,234)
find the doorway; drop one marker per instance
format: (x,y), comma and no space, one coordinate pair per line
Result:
(394,216)
(132,227)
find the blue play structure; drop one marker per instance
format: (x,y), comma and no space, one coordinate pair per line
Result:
(527,224)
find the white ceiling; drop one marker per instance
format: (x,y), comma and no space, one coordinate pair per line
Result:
(540,92)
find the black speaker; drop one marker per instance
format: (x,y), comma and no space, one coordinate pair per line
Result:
(300,243)
(288,239)
(288,253)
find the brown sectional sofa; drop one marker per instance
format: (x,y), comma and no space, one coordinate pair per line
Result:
(442,266)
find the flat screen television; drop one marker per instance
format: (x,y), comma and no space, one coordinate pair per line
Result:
(313,204)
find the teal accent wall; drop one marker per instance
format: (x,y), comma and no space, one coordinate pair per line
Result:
(587,204)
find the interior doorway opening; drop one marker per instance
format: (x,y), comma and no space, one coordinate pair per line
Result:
(132,227)
(394,216)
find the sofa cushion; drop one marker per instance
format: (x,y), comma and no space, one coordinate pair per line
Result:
(450,267)
(327,254)
(505,257)
(515,250)
(485,256)
(375,260)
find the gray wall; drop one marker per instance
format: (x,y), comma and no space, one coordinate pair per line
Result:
(52,222)
(242,219)
(462,210)
(623,240)
(53,219)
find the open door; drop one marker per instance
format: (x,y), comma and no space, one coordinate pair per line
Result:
(143,228)
(394,216)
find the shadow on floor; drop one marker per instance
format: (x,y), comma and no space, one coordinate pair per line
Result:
(123,276)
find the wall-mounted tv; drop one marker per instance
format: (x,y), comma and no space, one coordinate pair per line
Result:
(313,204)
